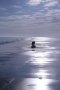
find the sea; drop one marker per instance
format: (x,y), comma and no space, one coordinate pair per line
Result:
(26,68)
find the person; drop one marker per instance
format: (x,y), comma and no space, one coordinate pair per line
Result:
(33,44)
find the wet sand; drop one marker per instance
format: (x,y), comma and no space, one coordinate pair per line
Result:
(32,69)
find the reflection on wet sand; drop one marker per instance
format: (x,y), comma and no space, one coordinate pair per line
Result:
(40,60)
(34,84)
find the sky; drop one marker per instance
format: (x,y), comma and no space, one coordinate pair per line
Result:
(29,17)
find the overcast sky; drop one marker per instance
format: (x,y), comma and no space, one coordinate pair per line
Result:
(29,17)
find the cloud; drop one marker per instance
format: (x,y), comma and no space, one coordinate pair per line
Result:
(51,3)
(40,22)
(36,20)
(19,12)
(38,16)
(34,2)
(28,25)
(32,20)
(2,9)
(16,6)
(47,3)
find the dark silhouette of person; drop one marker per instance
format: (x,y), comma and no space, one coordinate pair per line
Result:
(33,44)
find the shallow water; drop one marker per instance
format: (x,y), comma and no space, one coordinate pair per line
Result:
(24,68)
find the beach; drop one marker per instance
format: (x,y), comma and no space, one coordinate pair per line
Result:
(26,68)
